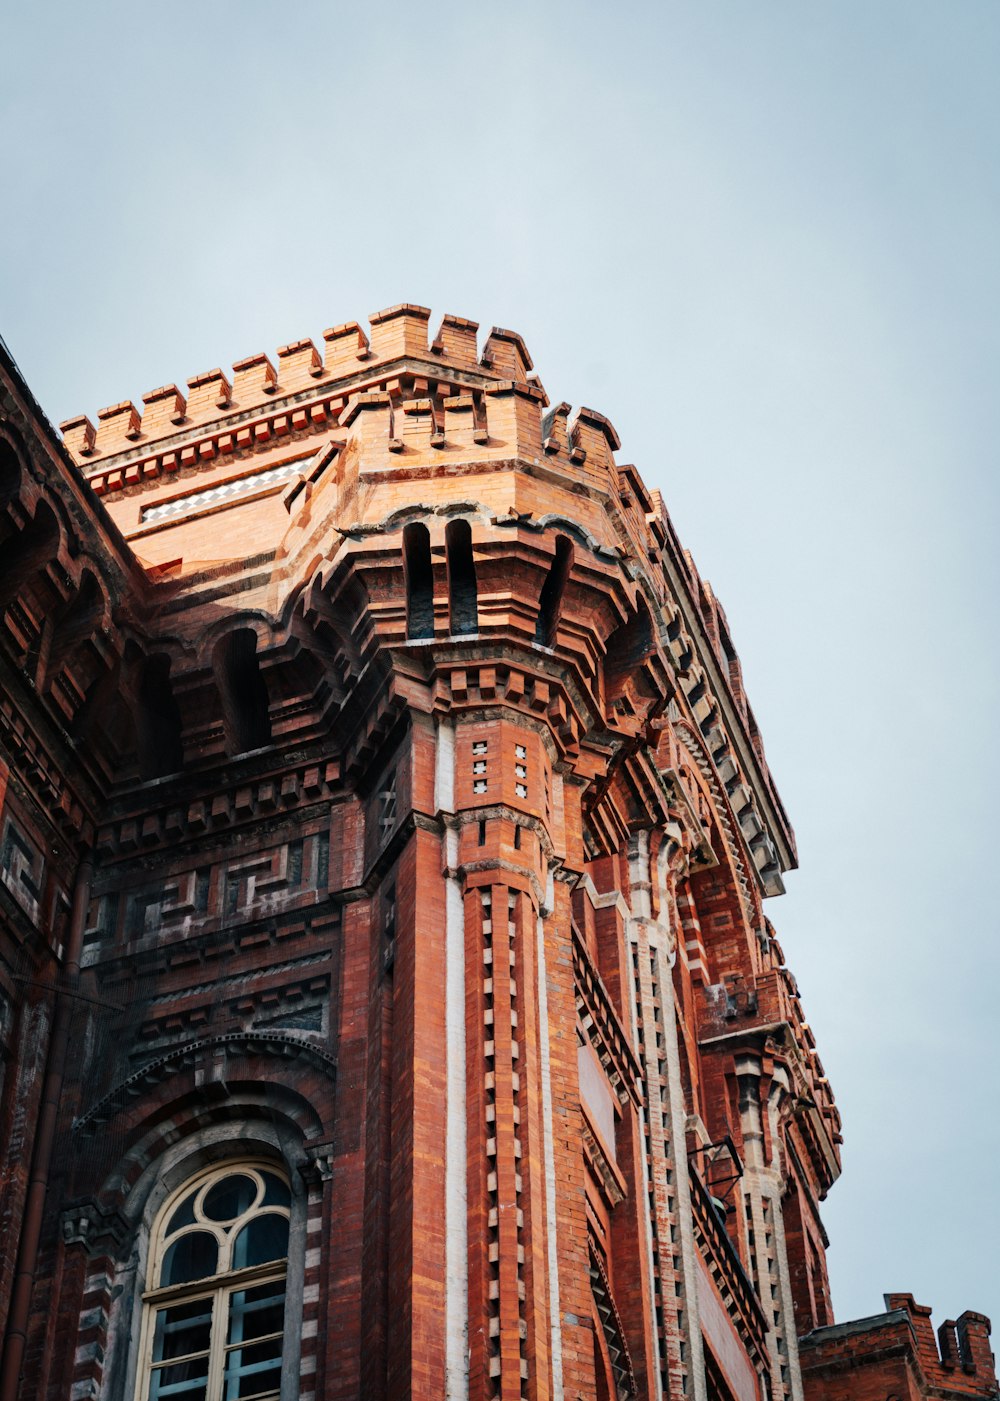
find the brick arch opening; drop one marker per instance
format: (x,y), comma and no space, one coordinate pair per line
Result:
(76,622)
(463,598)
(243,691)
(329,634)
(10,473)
(28,552)
(628,647)
(158,720)
(419,576)
(551,597)
(715,898)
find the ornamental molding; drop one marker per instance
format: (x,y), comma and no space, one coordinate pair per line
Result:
(213,1052)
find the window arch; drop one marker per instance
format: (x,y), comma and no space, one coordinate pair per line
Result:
(214,1306)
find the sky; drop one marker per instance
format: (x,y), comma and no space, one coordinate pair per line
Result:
(762,238)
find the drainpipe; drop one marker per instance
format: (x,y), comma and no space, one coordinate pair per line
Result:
(41,1158)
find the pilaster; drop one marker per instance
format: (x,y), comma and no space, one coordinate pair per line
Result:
(762,1195)
(675,1266)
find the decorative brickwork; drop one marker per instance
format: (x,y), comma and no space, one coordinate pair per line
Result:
(380,802)
(897,1354)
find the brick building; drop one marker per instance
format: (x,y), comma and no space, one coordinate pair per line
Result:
(387,1003)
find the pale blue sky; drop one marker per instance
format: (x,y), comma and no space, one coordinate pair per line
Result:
(762,238)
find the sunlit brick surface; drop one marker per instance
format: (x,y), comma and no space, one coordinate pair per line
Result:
(379,798)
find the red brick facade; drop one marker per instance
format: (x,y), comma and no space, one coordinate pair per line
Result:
(380,801)
(896,1354)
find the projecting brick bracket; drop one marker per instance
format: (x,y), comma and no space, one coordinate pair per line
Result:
(88,1224)
(319,1168)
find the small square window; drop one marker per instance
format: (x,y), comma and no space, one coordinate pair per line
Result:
(479,746)
(520,751)
(479,766)
(521,789)
(479,786)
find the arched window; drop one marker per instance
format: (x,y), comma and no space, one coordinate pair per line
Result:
(214,1307)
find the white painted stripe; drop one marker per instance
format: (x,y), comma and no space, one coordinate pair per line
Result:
(555,1319)
(456,1193)
(643,1203)
(444,769)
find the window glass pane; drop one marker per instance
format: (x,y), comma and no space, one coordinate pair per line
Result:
(194,1256)
(183,1216)
(230,1198)
(182,1330)
(181,1381)
(254,1313)
(253,1371)
(262,1239)
(276,1192)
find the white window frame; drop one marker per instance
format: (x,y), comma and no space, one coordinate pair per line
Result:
(216,1288)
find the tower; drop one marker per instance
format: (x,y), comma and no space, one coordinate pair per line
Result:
(390,1004)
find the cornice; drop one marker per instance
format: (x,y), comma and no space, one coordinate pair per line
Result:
(777,823)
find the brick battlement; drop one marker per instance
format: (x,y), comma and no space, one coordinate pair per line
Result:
(897,1353)
(349,351)
(399,404)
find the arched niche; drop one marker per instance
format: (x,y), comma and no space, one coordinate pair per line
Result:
(551,598)
(10,473)
(28,552)
(463,601)
(158,720)
(419,577)
(76,622)
(243,691)
(628,647)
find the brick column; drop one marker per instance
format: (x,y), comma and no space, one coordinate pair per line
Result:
(763,1188)
(653,947)
(534,1235)
(417,1345)
(575,1296)
(339,1342)
(497,1324)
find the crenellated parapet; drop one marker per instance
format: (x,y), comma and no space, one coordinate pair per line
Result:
(380,798)
(405,414)
(898,1353)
